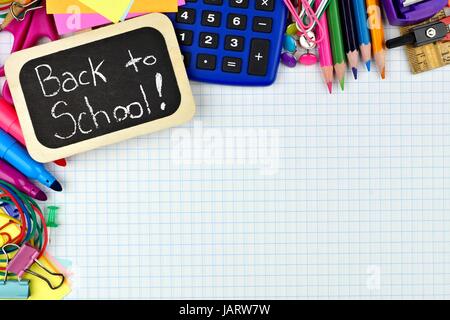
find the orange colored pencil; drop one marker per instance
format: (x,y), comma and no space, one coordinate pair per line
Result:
(377,32)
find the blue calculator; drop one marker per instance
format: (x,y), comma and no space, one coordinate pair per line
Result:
(233,42)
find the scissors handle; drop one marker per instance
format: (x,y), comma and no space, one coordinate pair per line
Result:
(37,25)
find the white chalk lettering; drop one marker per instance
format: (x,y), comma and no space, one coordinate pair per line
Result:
(80,80)
(145,99)
(141,110)
(80,117)
(48,78)
(95,114)
(64,114)
(70,78)
(133,62)
(125,113)
(96,73)
(148,61)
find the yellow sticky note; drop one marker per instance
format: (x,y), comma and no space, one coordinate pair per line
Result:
(39,289)
(113,11)
(138,6)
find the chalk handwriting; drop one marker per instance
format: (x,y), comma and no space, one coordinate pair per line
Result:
(92,115)
(51,84)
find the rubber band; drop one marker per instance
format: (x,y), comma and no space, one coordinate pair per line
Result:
(33,228)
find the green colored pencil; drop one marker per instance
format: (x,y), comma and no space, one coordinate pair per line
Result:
(337,41)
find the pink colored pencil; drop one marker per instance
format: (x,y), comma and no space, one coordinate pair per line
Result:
(324,48)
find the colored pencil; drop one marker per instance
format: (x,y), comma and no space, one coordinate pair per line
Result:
(337,41)
(350,35)
(324,48)
(377,32)
(365,46)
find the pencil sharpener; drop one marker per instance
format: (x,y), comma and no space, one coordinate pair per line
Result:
(408,12)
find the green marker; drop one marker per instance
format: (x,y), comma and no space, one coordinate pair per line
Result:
(337,41)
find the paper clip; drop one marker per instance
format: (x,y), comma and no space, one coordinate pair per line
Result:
(13,289)
(11,210)
(24,259)
(308,19)
(307,12)
(33,5)
(6,236)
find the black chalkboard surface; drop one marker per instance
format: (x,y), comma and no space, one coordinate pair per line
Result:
(101,87)
(78,94)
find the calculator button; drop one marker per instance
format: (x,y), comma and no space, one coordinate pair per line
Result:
(206,62)
(259,57)
(237,21)
(211,18)
(214,2)
(185,37)
(239,4)
(186,16)
(209,40)
(234,43)
(265,5)
(262,24)
(231,65)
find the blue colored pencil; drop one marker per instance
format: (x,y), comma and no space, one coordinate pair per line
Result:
(360,11)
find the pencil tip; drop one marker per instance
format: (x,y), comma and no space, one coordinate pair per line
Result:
(355,73)
(330,87)
(383,74)
(342,84)
(368,65)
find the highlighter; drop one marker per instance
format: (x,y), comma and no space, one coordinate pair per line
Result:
(18,180)
(12,152)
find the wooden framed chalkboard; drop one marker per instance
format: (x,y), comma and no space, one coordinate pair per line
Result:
(100,87)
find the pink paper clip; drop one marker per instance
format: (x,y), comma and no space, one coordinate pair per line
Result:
(25,257)
(37,24)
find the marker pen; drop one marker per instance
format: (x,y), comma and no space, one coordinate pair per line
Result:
(9,122)
(18,180)
(12,152)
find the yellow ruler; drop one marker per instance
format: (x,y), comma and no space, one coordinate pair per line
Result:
(431,56)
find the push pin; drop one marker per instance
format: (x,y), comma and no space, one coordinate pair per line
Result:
(52,213)
(25,257)
(51,216)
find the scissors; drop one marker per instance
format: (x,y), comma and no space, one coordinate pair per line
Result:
(27,31)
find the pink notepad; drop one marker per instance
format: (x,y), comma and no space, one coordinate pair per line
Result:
(67,23)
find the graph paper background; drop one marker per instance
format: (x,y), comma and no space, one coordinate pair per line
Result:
(355,205)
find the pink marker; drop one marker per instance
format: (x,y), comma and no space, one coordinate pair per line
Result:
(324,48)
(9,122)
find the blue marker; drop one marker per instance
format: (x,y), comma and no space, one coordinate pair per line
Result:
(363,31)
(12,152)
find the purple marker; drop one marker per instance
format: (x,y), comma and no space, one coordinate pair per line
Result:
(14,177)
